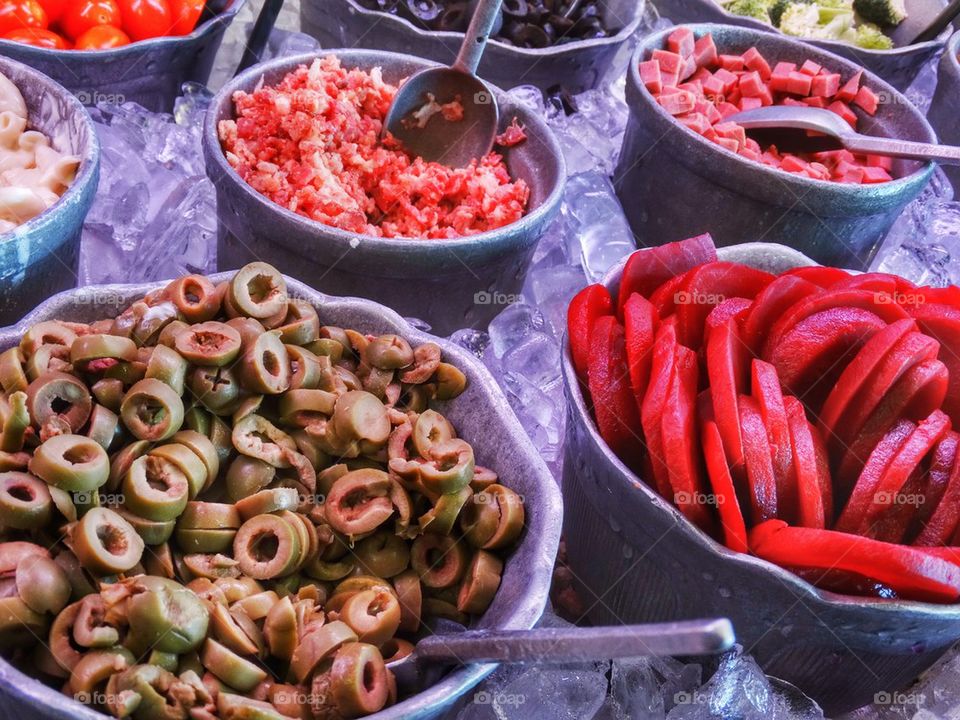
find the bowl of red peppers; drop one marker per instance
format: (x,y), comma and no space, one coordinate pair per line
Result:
(759,437)
(118,50)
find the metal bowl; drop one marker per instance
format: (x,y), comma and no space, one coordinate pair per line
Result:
(444,282)
(39,258)
(839,650)
(149,72)
(674,183)
(578,66)
(898,66)
(945,108)
(481,415)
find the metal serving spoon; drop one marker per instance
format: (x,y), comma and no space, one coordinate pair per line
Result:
(453,143)
(435,654)
(831,124)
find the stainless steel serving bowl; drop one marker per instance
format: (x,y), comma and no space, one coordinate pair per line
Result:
(39,258)
(675,183)
(898,66)
(481,415)
(839,650)
(945,110)
(149,72)
(577,66)
(444,282)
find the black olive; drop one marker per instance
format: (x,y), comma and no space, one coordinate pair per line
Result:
(561,24)
(533,36)
(454,18)
(515,8)
(423,12)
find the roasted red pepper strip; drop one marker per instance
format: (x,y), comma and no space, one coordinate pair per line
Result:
(640,321)
(909,572)
(587,306)
(609,382)
(649,268)
(718,473)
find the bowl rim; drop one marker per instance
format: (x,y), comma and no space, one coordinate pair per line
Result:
(544,543)
(400,245)
(753,23)
(89,171)
(721,553)
(224,17)
(892,188)
(404,25)
(951,53)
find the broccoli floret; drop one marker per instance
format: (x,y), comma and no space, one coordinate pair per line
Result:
(756,9)
(779,6)
(831,9)
(885,13)
(870,37)
(800,19)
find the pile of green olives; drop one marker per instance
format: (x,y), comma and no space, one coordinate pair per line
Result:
(213,506)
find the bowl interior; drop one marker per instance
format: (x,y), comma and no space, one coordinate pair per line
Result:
(896,116)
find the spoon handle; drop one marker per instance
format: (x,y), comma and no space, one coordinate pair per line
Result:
(947,154)
(939,24)
(688,637)
(484,17)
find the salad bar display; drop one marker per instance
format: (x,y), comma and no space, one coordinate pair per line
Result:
(231,496)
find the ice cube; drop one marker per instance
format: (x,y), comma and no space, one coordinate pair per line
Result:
(551,289)
(605,234)
(637,688)
(513,325)
(924,245)
(552,694)
(476,341)
(537,358)
(530,96)
(738,689)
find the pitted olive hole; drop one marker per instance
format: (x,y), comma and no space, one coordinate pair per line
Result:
(156,476)
(113,539)
(436,558)
(271,363)
(264,547)
(447,463)
(379,604)
(78,455)
(192,293)
(354,499)
(21,493)
(208,339)
(369,677)
(261,436)
(151,413)
(60,406)
(261,288)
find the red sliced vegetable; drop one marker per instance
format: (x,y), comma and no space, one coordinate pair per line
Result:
(662,367)
(732,308)
(721,483)
(664,298)
(757,458)
(909,572)
(728,364)
(770,305)
(614,406)
(649,268)
(944,523)
(819,275)
(943,323)
(769,397)
(640,322)
(942,460)
(873,282)
(812,476)
(587,306)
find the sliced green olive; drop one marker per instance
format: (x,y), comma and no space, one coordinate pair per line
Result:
(304,368)
(450,467)
(91,628)
(48,332)
(480,583)
(265,367)
(204,449)
(122,460)
(383,554)
(195,297)
(12,377)
(209,343)
(257,437)
(167,366)
(268,501)
(439,560)
(59,394)
(395,650)
(166,616)
(280,629)
(108,392)
(152,410)
(247,476)
(317,646)
(483,478)
(442,517)
(87,348)
(360,416)
(71,462)
(426,360)
(205,540)
(374,615)
(431,429)
(25,502)
(105,543)
(358,680)
(235,671)
(217,389)
(187,462)
(236,589)
(266,546)
(302,404)
(450,381)
(168,335)
(155,488)
(301,325)
(95,668)
(258,290)
(14,421)
(436,608)
(227,631)
(236,707)
(165,660)
(389,352)
(327,347)
(103,426)
(200,515)
(257,605)
(359,502)
(509,516)
(42,584)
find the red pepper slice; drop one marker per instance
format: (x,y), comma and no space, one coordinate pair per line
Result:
(813,488)
(772,302)
(911,349)
(909,572)
(769,397)
(727,367)
(706,287)
(857,372)
(664,298)
(819,275)
(732,308)
(679,431)
(942,461)
(874,282)
(863,492)
(945,521)
(587,306)
(757,457)
(718,473)
(651,411)
(896,498)
(943,323)
(613,404)
(811,356)
(878,304)
(640,322)
(649,268)
(914,396)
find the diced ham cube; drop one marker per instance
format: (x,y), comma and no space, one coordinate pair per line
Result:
(809,67)
(713,115)
(844,111)
(689,68)
(733,131)
(750,103)
(852,175)
(881,161)
(868,100)
(650,76)
(670,79)
(731,62)
(799,83)
(705,51)
(726,77)
(766,97)
(753,145)
(793,102)
(681,41)
(825,85)
(676,102)
(755,61)
(750,85)
(702,74)
(727,109)
(784,68)
(696,122)
(750,154)
(817,102)
(875,175)
(728,144)
(791,163)
(693,87)
(849,90)
(670,62)
(713,88)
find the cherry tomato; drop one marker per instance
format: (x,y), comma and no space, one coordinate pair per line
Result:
(54,9)
(102,37)
(143,19)
(186,14)
(81,15)
(16,14)
(38,37)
